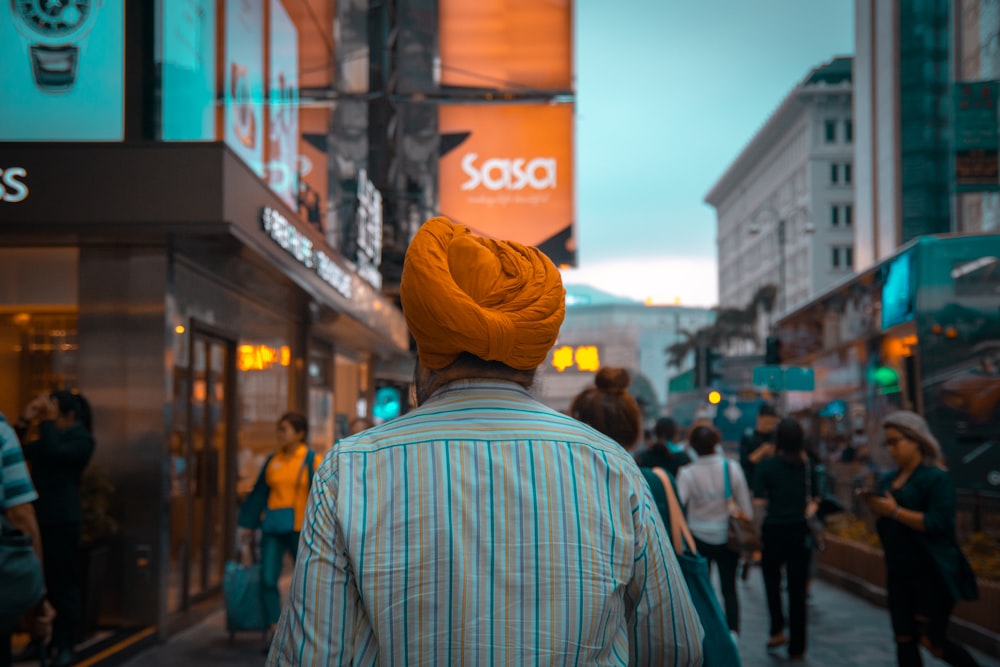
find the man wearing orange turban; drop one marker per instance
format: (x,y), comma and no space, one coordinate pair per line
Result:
(483,526)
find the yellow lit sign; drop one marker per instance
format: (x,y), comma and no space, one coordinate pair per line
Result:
(714,397)
(584,357)
(261,357)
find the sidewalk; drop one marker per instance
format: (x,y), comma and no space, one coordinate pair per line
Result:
(844,631)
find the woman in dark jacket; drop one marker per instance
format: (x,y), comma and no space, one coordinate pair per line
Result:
(926,572)
(782,484)
(57,459)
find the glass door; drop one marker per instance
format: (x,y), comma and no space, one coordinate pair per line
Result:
(202,452)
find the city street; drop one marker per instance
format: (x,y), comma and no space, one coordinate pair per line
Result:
(844,631)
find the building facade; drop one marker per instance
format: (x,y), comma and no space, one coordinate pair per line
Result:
(908,57)
(163,252)
(629,335)
(785,206)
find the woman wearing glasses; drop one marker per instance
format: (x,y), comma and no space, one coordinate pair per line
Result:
(926,572)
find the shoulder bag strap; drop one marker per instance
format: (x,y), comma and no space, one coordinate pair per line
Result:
(680,533)
(727,485)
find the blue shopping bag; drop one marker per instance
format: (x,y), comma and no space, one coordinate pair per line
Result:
(241,588)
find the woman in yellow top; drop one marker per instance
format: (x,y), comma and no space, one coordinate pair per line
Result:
(277,504)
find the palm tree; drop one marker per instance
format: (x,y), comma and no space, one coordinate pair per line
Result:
(679,351)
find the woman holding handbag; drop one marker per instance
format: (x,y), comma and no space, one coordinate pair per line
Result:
(706,498)
(610,409)
(926,572)
(276,507)
(780,489)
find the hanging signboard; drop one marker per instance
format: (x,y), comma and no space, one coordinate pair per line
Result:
(974,121)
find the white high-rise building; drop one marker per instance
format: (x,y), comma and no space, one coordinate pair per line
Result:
(785,206)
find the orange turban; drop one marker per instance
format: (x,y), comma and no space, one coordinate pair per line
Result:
(499,300)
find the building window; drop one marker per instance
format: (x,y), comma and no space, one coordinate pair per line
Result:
(834,215)
(847,215)
(847,173)
(834,173)
(848,131)
(831,131)
(849,257)
(835,257)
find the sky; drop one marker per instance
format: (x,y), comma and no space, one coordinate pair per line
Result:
(668,94)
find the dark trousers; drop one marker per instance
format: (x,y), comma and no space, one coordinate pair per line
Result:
(5,656)
(920,607)
(60,542)
(785,547)
(727,561)
(272,556)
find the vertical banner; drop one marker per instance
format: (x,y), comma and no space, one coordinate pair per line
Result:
(974,120)
(244,85)
(283,119)
(188,69)
(62,67)
(510,174)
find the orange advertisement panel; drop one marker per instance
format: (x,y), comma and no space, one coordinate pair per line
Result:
(506,172)
(506,44)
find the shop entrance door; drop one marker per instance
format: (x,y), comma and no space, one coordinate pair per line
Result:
(202,489)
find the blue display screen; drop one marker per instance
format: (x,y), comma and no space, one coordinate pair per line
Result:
(62,74)
(897,291)
(188,69)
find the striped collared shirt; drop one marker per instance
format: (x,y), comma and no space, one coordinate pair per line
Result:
(15,482)
(484,529)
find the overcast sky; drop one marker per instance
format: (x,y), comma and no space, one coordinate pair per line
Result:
(668,93)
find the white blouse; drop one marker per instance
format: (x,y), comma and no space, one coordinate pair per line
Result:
(701,488)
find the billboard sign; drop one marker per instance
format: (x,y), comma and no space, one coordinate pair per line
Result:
(510,174)
(283,119)
(974,118)
(63,74)
(506,44)
(244,86)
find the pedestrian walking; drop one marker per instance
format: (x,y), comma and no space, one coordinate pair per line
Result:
(664,452)
(58,457)
(276,506)
(926,572)
(758,443)
(781,484)
(483,526)
(21,576)
(702,490)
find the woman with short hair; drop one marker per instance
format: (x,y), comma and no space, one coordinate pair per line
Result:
(926,572)
(701,486)
(277,505)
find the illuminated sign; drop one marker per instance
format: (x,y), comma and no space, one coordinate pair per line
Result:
(510,173)
(369,222)
(585,358)
(13,190)
(301,247)
(262,357)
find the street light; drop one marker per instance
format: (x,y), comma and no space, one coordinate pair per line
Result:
(780,232)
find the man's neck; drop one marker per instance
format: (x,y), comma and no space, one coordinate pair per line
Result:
(429,381)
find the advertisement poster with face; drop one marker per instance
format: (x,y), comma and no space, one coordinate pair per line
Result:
(188,70)
(62,73)
(283,120)
(244,85)
(508,173)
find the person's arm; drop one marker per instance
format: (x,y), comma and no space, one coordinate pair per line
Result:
(939,517)
(324,602)
(57,449)
(23,518)
(663,623)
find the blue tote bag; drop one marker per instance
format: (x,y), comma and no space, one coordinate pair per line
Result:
(718,647)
